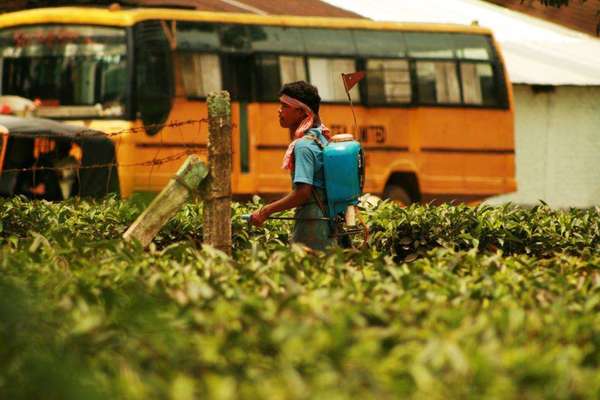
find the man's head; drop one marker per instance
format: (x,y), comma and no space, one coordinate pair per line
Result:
(304,92)
(291,116)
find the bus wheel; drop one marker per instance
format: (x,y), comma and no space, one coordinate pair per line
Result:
(398,194)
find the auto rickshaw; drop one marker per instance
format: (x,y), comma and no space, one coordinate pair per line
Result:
(45,159)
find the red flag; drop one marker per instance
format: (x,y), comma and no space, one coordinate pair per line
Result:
(352,79)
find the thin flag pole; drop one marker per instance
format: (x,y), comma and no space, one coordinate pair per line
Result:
(355,130)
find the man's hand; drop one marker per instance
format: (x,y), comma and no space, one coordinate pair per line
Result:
(258,217)
(299,196)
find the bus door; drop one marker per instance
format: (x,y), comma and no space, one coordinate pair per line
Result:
(238,81)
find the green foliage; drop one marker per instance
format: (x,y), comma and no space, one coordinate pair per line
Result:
(565,3)
(540,231)
(85,315)
(555,3)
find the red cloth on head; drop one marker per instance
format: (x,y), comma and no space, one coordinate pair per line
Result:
(305,125)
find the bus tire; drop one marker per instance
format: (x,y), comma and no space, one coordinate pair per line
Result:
(403,188)
(398,194)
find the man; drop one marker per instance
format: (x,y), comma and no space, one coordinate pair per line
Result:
(299,113)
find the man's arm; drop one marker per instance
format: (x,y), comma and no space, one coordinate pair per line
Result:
(300,195)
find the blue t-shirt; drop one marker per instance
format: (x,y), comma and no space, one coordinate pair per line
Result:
(308,160)
(308,168)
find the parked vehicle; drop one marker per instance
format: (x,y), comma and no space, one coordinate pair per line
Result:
(45,159)
(434,115)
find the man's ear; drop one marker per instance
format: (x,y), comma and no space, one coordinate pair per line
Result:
(302,114)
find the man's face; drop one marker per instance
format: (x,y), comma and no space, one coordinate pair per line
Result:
(290,117)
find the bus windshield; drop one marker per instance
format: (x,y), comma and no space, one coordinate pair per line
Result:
(74,70)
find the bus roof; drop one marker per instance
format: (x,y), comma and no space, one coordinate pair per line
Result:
(129,17)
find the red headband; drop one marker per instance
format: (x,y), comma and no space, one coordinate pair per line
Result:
(307,122)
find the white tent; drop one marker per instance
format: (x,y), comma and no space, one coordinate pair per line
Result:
(556,76)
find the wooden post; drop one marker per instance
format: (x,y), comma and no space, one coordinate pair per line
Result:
(168,201)
(217,194)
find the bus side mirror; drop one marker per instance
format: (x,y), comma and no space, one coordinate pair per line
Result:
(154,75)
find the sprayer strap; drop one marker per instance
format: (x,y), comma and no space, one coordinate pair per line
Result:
(319,202)
(315,195)
(312,137)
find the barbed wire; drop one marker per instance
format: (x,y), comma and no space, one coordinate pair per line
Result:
(88,132)
(174,124)
(147,163)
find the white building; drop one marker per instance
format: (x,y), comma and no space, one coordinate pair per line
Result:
(556,78)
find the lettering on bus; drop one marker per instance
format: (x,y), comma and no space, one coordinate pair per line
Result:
(338,128)
(367,133)
(50,38)
(372,133)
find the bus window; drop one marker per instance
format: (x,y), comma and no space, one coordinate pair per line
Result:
(112,78)
(292,69)
(201,73)
(66,67)
(429,45)
(267,77)
(380,43)
(276,39)
(479,84)
(473,47)
(328,41)
(197,36)
(437,82)
(388,81)
(326,73)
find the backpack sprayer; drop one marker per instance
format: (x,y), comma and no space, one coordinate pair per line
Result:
(344,170)
(344,167)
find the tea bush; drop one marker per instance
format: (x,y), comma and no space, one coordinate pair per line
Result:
(540,231)
(85,315)
(405,233)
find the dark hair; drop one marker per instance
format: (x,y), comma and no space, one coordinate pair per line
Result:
(303,91)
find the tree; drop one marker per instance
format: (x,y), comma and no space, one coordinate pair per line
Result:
(556,4)
(560,3)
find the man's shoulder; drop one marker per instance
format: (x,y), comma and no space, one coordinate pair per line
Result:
(312,140)
(307,142)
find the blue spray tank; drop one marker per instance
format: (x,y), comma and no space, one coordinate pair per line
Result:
(343,161)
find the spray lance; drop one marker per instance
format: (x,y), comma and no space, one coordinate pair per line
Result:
(247,218)
(343,226)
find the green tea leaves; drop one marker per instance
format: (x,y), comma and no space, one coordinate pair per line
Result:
(446,302)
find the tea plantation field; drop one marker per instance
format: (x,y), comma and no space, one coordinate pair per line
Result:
(446,302)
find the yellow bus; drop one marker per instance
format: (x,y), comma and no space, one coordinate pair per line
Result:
(434,113)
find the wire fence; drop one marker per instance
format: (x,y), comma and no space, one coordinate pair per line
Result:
(36,170)
(154,161)
(87,132)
